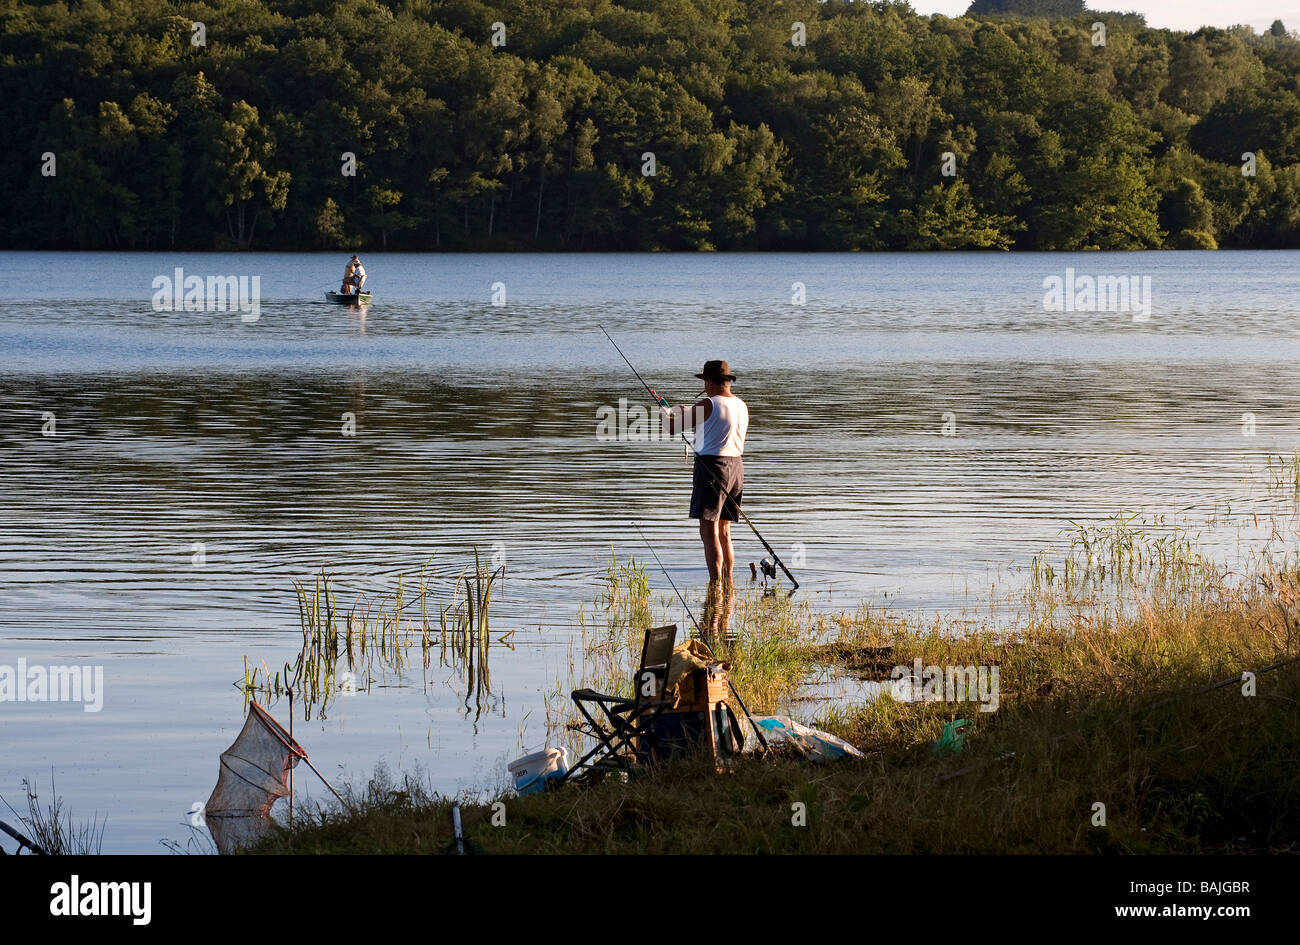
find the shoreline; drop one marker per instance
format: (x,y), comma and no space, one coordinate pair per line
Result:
(1109,712)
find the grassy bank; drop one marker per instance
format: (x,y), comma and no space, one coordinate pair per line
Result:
(1102,701)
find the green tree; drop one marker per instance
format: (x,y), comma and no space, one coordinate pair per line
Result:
(1205,67)
(1026,8)
(240,178)
(329,227)
(1188,216)
(947,218)
(383,202)
(760,143)
(1110,206)
(1250,120)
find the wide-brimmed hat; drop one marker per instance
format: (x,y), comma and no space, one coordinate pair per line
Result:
(716,371)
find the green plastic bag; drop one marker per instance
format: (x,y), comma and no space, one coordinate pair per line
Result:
(953,738)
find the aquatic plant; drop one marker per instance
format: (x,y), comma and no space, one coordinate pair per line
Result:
(348,650)
(1283,474)
(54,830)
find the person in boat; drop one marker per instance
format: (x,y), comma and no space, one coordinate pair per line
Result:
(720,420)
(354,277)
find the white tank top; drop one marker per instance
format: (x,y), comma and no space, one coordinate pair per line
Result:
(723,434)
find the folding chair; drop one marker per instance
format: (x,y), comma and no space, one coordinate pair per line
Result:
(619,725)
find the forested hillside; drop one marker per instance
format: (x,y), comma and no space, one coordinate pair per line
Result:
(639,124)
(1028,7)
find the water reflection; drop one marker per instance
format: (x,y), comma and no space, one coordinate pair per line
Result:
(352,646)
(719,609)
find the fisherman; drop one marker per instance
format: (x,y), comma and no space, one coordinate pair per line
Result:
(720,420)
(354,276)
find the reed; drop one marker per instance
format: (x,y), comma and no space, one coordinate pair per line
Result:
(350,647)
(1283,476)
(54,830)
(1121,553)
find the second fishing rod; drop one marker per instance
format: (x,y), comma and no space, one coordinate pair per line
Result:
(663,402)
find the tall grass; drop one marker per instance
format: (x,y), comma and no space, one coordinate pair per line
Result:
(607,650)
(1122,553)
(1283,476)
(54,830)
(348,647)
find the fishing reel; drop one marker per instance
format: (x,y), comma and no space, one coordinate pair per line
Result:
(767,568)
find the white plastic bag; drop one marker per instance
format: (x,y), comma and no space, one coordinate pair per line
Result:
(818,746)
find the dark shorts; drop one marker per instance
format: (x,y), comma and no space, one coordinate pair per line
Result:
(717,488)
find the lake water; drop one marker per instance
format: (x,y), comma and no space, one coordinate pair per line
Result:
(476,427)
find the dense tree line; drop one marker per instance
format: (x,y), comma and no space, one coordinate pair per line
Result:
(1027,7)
(639,124)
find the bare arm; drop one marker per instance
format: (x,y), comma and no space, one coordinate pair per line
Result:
(678,419)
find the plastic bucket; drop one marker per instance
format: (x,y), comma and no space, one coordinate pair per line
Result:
(532,772)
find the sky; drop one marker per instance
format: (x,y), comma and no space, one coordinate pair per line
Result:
(1170,14)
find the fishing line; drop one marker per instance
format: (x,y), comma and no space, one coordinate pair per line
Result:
(685,605)
(717,481)
(629,363)
(758,732)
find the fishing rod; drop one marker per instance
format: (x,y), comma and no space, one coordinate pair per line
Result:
(22,841)
(663,402)
(698,629)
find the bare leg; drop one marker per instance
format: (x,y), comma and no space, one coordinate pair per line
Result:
(712,548)
(728,553)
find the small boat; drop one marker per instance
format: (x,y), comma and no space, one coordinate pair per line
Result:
(350,299)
